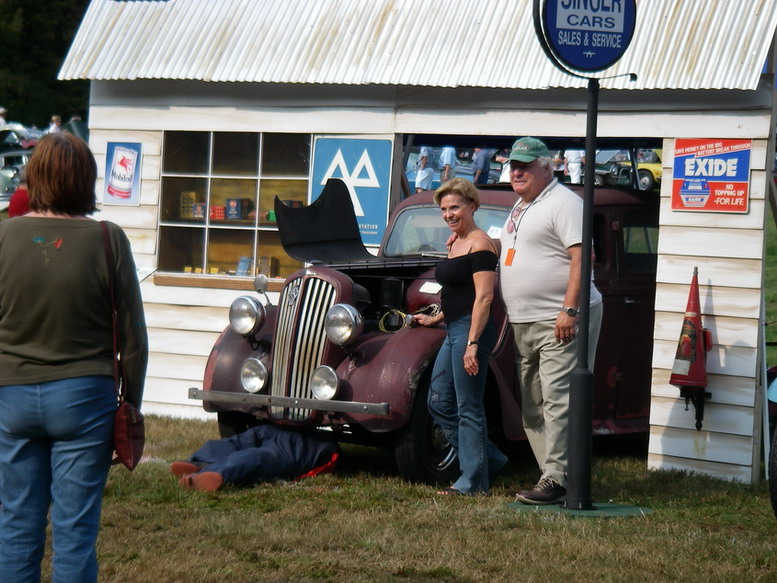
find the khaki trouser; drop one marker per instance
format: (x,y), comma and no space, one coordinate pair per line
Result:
(545,367)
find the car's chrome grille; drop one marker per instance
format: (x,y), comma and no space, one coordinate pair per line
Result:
(299,340)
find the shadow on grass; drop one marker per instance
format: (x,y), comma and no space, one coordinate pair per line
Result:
(379,461)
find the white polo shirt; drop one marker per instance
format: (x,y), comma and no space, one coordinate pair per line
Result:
(534,284)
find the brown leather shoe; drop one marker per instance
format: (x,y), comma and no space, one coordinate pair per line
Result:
(547,491)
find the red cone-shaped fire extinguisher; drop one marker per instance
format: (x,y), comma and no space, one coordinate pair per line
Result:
(689,372)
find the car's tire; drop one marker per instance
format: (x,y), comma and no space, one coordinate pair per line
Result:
(422,453)
(646,180)
(773,473)
(598,180)
(234,422)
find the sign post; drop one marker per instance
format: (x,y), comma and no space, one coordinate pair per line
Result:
(584,36)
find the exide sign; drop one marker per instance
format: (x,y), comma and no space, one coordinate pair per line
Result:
(711,175)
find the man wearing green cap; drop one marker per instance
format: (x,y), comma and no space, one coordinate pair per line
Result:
(540,266)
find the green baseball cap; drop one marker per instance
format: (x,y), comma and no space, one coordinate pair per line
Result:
(528,150)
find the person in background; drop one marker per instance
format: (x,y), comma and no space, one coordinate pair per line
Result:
(481,166)
(3,112)
(573,160)
(424,173)
(55,125)
(57,389)
(447,164)
(503,157)
(539,275)
(456,393)
(559,165)
(20,199)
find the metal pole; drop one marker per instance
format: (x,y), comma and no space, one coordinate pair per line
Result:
(582,382)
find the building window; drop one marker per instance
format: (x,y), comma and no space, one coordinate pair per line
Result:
(216,211)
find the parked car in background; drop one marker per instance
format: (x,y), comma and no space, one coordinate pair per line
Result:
(649,169)
(610,169)
(339,350)
(14,136)
(16,145)
(12,163)
(615,168)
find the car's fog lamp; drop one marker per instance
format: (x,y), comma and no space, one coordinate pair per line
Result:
(324,383)
(253,375)
(343,324)
(246,315)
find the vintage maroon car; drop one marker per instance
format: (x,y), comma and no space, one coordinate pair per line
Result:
(339,351)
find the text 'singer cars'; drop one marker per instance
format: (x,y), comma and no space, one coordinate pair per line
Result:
(339,351)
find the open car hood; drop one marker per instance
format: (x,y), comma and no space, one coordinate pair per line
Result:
(326,231)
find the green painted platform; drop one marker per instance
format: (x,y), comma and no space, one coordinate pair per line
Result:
(599,510)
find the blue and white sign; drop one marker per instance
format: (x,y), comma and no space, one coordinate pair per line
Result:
(588,35)
(365,167)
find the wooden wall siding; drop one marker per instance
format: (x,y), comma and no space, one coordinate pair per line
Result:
(725,272)
(181,332)
(725,330)
(729,419)
(728,390)
(738,302)
(668,462)
(728,250)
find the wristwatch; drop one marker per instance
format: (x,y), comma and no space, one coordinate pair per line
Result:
(570,312)
(472,342)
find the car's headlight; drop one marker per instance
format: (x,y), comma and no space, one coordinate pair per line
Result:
(324,383)
(253,375)
(246,315)
(343,324)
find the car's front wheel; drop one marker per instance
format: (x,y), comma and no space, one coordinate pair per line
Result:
(646,180)
(423,454)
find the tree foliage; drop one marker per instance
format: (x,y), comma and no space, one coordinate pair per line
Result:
(36,35)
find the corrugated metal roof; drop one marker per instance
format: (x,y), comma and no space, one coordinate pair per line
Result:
(678,44)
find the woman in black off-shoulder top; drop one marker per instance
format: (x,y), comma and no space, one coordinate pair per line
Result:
(467,277)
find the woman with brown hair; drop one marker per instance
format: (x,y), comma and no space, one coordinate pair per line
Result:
(57,389)
(458,383)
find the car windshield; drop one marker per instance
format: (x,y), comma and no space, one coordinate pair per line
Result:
(422,230)
(604,156)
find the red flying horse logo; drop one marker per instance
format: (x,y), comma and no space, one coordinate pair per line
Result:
(125,163)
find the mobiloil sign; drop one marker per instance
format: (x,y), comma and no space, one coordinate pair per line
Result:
(711,175)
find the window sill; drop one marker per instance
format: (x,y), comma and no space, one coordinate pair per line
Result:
(213,282)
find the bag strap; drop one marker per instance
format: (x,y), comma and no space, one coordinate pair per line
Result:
(118,372)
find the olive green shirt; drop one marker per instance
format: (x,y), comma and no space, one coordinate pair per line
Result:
(55,308)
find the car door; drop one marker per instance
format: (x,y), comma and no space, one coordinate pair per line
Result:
(627,240)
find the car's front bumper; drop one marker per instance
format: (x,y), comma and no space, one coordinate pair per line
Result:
(258,400)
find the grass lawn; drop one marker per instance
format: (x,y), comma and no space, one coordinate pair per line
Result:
(364,523)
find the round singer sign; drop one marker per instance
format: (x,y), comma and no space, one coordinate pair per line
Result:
(587,35)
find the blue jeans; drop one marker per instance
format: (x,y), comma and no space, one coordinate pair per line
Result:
(56,442)
(456,404)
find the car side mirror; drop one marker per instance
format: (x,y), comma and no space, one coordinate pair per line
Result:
(260,285)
